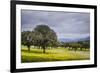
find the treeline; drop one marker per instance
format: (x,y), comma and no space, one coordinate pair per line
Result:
(44,37)
(75,45)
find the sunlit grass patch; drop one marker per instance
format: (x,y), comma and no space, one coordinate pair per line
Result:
(55,54)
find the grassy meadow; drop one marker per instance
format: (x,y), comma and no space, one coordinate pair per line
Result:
(54,54)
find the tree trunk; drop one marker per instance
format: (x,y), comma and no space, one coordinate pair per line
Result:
(28,48)
(81,49)
(43,49)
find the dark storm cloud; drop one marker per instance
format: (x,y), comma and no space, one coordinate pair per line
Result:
(65,24)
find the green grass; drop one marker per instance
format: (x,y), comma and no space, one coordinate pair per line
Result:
(55,54)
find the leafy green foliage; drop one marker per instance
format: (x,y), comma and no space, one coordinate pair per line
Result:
(76,45)
(27,38)
(42,36)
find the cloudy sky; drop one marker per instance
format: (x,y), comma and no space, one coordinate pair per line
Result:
(65,24)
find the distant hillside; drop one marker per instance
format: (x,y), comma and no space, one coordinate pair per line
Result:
(73,39)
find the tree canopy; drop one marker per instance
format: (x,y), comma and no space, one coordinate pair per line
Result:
(42,36)
(27,38)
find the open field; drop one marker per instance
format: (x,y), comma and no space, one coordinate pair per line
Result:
(54,54)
